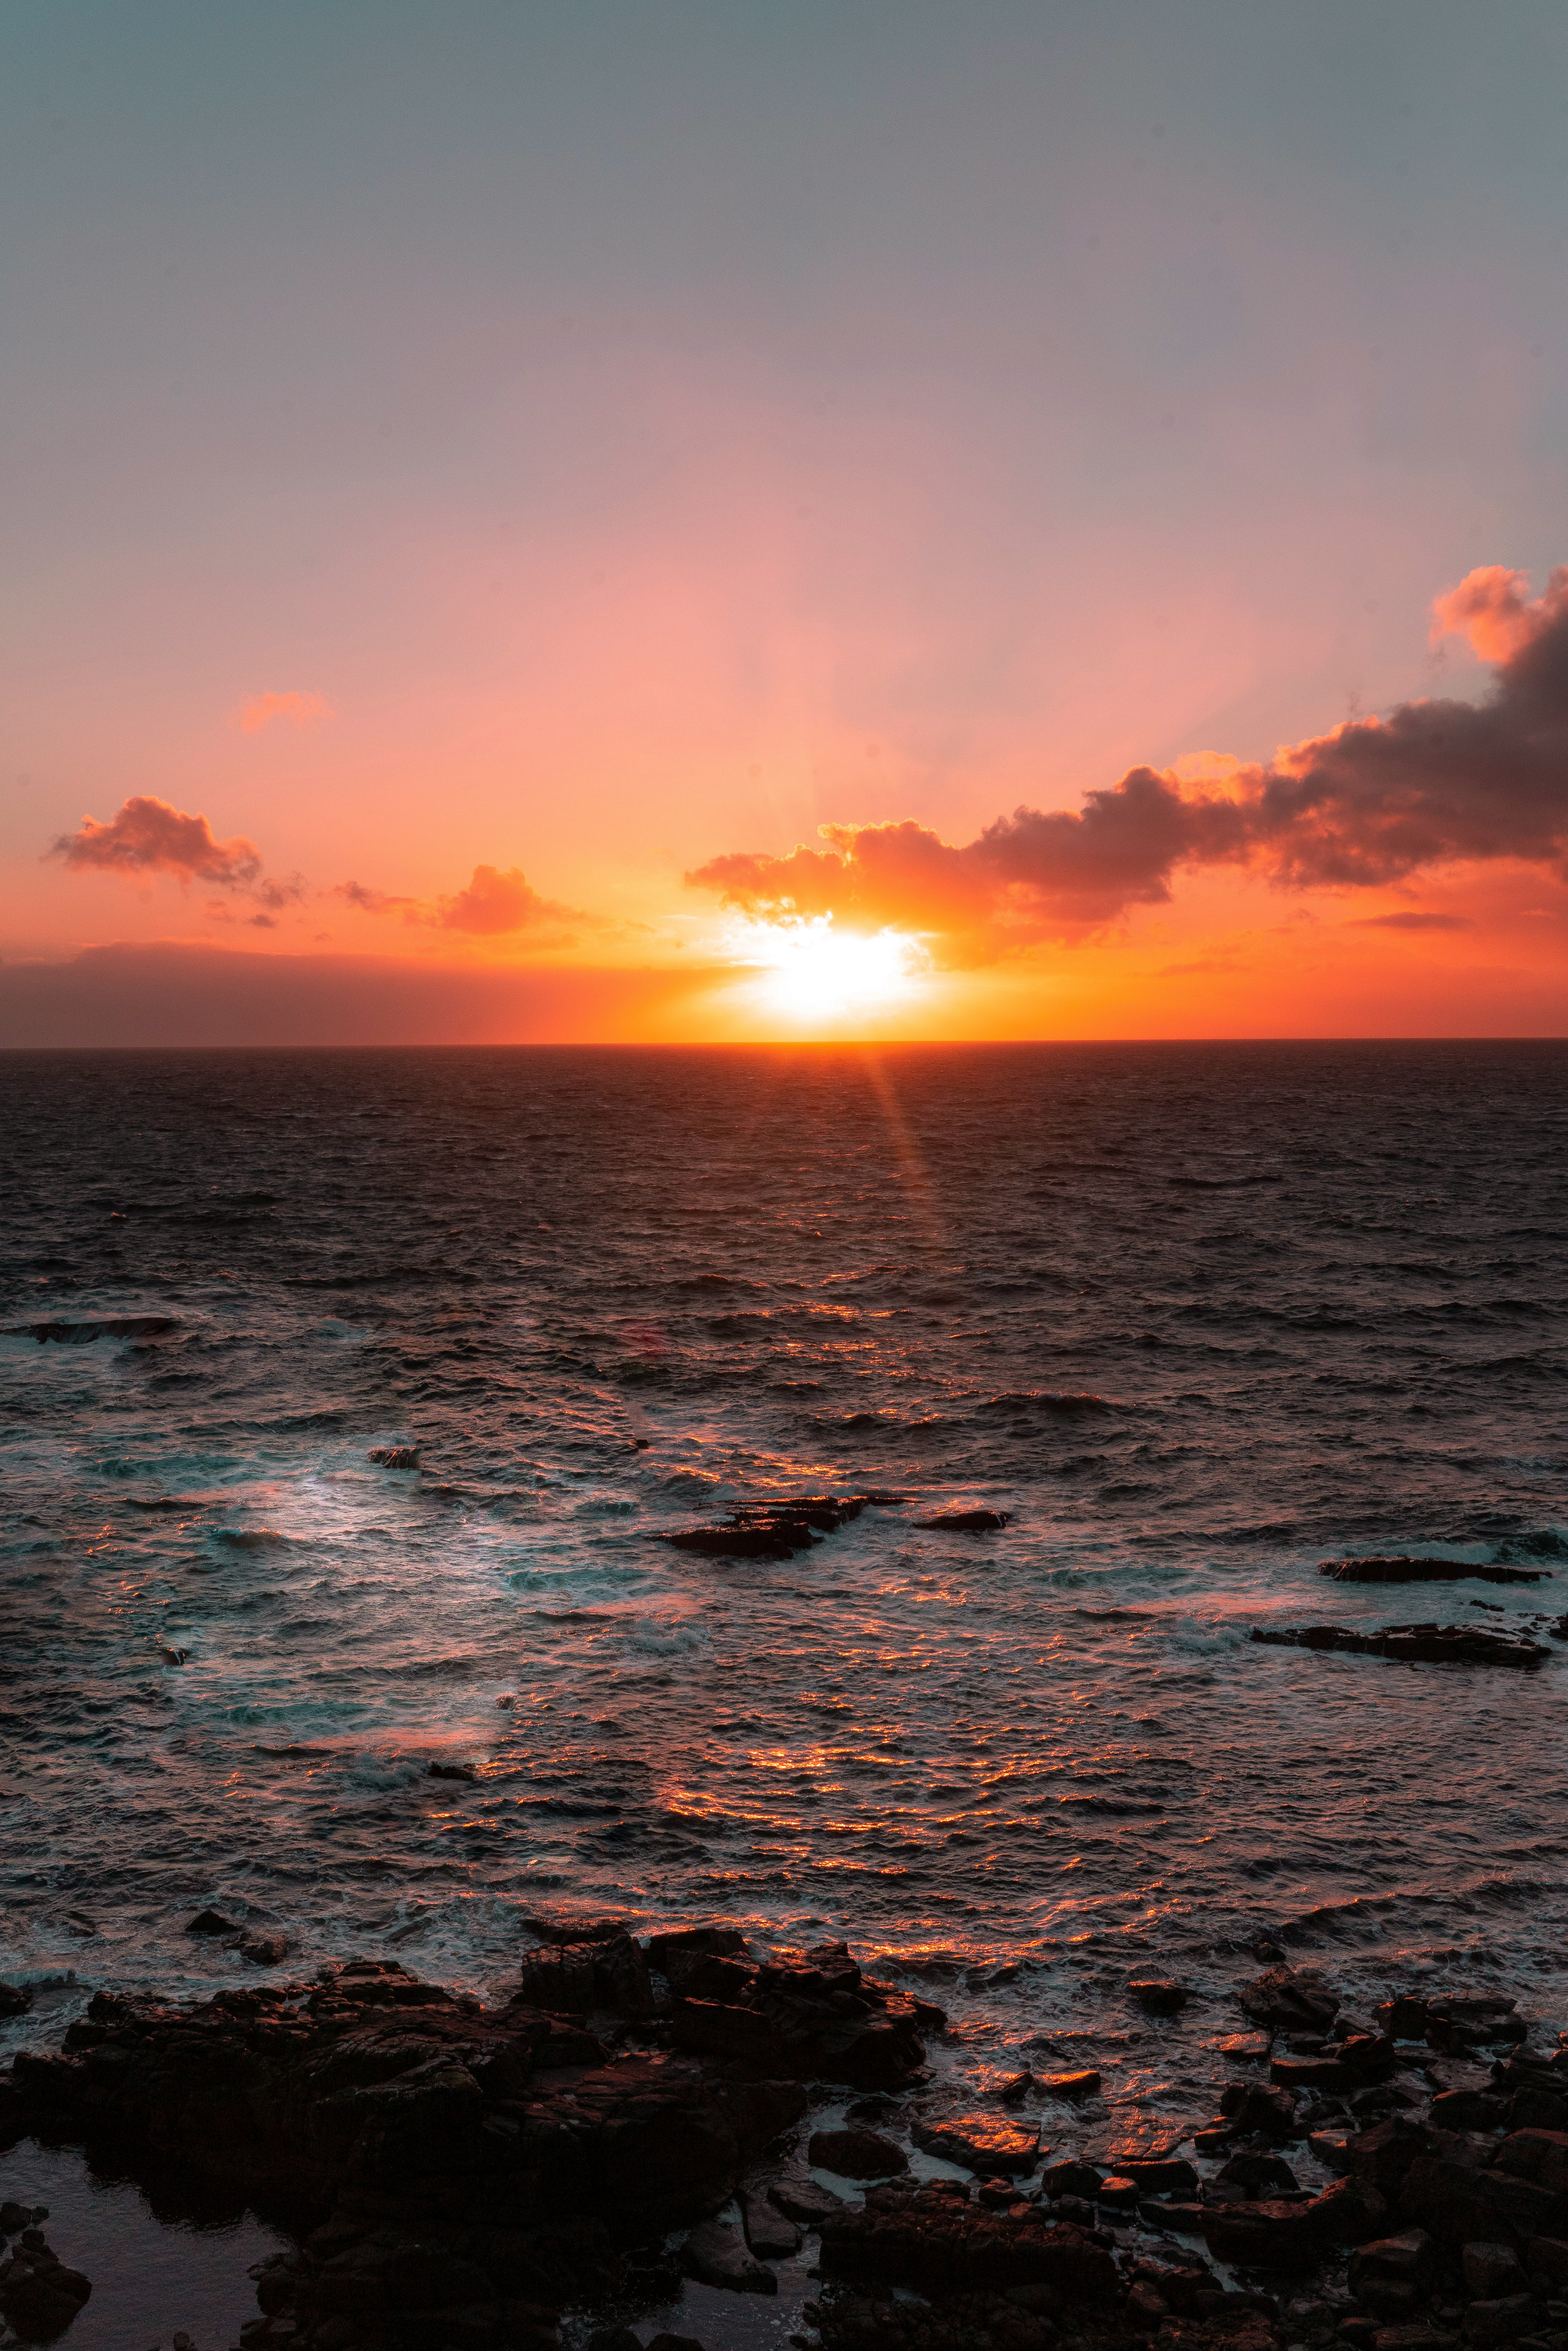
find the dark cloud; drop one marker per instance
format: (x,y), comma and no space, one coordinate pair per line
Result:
(1411,923)
(1436,782)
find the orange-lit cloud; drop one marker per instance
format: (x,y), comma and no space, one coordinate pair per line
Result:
(147,835)
(296,709)
(495,904)
(1436,782)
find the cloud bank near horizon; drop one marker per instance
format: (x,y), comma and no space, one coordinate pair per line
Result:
(1366,806)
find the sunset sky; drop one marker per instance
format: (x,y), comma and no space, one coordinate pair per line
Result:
(486,486)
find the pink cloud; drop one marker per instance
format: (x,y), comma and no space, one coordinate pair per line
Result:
(147,835)
(297,709)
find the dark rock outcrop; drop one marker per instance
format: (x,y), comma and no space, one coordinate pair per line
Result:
(16,1999)
(812,2018)
(1427,1570)
(856,2154)
(1426,1645)
(967,1522)
(933,2239)
(83,1333)
(395,1457)
(40,2296)
(487,2162)
(1290,1999)
(982,2143)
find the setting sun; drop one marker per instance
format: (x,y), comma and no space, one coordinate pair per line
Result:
(815,972)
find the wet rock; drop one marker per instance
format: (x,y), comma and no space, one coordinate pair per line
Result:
(580,1978)
(83,1333)
(1081,2085)
(470,1772)
(675,2342)
(1312,2073)
(770,2235)
(1426,1644)
(211,1922)
(614,2338)
(1247,2176)
(1545,2257)
(40,2296)
(941,2244)
(16,1999)
(814,2017)
(1015,2089)
(1169,2176)
(1491,2271)
(677,1955)
(980,2142)
(264,1951)
(716,2255)
(1268,2113)
(1159,1995)
(798,2195)
(1069,2178)
(856,2154)
(1426,1571)
(1486,2322)
(1294,2237)
(967,1522)
(1463,2201)
(1290,1999)
(1407,2259)
(395,1457)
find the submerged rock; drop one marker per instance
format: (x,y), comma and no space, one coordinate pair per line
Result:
(1290,1999)
(83,1334)
(967,1522)
(1427,1570)
(980,2143)
(1433,1644)
(395,1457)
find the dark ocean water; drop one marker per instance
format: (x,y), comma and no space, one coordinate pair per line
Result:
(1198,1316)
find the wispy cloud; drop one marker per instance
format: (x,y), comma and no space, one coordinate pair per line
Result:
(1410,923)
(264,710)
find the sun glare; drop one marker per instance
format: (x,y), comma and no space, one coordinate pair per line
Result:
(813,972)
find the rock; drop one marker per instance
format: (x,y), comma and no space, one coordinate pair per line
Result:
(211,1922)
(770,2235)
(1171,2177)
(1159,1995)
(811,2018)
(1082,2085)
(716,2255)
(856,2154)
(395,1457)
(16,1999)
(675,2342)
(1290,1999)
(1294,2237)
(1545,2257)
(1427,1644)
(1384,2154)
(799,2196)
(1486,2322)
(1491,2271)
(1069,2178)
(980,2142)
(939,2244)
(1330,2146)
(1270,2114)
(83,1334)
(1312,2073)
(14,2217)
(1246,2176)
(1426,1571)
(470,1772)
(578,1978)
(472,2156)
(1538,2155)
(1462,2202)
(614,2338)
(1121,2194)
(39,2294)
(264,1951)
(967,1523)
(1408,2257)
(1015,2089)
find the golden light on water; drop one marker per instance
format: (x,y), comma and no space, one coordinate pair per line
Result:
(815,973)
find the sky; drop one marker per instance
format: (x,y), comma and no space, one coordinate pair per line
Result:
(683,521)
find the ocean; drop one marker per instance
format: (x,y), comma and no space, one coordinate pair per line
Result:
(1195,1317)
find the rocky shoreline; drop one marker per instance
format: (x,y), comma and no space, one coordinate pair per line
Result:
(641,2111)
